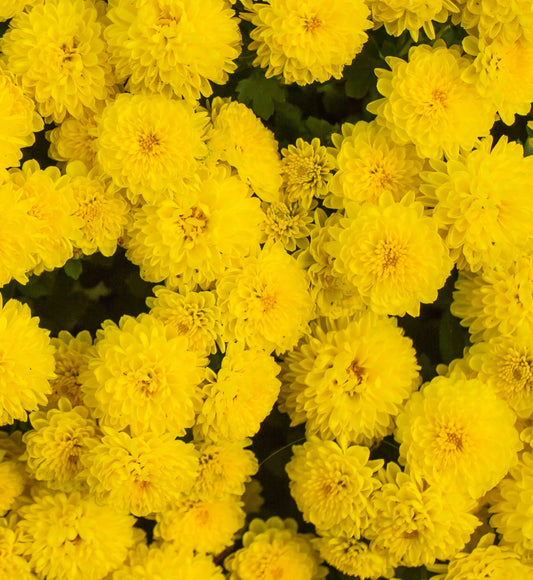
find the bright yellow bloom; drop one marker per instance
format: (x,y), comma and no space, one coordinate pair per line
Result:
(307,41)
(27,362)
(427,103)
(332,485)
(12,564)
(11,7)
(12,483)
(143,376)
(169,47)
(57,51)
(287,223)
(458,434)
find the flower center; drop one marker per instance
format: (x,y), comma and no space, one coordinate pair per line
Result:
(193,223)
(517,372)
(389,256)
(312,24)
(148,143)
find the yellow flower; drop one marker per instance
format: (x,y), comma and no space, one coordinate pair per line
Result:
(143,376)
(149,143)
(168,47)
(266,303)
(239,397)
(12,564)
(240,139)
(349,379)
(371,164)
(427,103)
(70,537)
(392,254)
(274,549)
(140,474)
(12,484)
(309,41)
(287,223)
(457,434)
(57,51)
(332,485)
(27,362)
(11,7)
(482,201)
(57,445)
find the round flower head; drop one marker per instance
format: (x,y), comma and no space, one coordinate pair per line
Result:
(287,223)
(332,485)
(305,169)
(57,51)
(336,380)
(18,121)
(194,315)
(70,537)
(275,549)
(203,525)
(140,474)
(239,397)
(427,103)
(27,362)
(12,564)
(163,46)
(240,139)
(458,434)
(307,42)
(148,143)
(482,202)
(392,254)
(143,376)
(266,303)
(370,164)
(57,444)
(193,239)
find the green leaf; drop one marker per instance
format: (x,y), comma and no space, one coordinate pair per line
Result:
(452,338)
(73,269)
(261,94)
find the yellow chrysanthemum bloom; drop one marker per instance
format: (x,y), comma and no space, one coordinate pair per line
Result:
(12,483)
(392,254)
(166,561)
(274,549)
(240,139)
(496,300)
(239,397)
(354,557)
(332,485)
(193,239)
(71,537)
(12,564)
(426,102)
(57,51)
(411,15)
(53,207)
(306,169)
(143,376)
(12,7)
(502,72)
(336,380)
(57,445)
(140,474)
(163,46)
(194,315)
(482,202)
(486,561)
(18,121)
(266,303)
(74,140)
(203,525)
(458,434)
(225,468)
(150,142)
(309,41)
(417,523)
(287,223)
(27,361)
(370,164)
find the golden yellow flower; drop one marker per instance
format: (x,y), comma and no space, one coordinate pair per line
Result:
(11,7)
(12,564)
(287,223)
(12,484)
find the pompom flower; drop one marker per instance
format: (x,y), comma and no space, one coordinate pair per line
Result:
(161,46)
(27,362)
(307,42)
(427,103)
(287,223)
(458,434)
(143,376)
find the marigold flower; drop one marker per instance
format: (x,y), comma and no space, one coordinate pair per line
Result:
(57,51)
(168,47)
(427,103)
(458,434)
(143,376)
(307,42)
